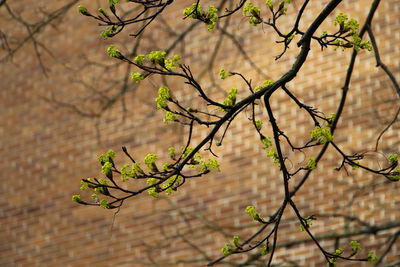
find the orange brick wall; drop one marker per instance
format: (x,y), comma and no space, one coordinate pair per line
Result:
(47,148)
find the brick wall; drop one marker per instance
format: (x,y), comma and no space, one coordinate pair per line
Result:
(47,147)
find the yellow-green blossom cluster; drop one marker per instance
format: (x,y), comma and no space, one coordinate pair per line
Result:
(153,191)
(264,250)
(235,241)
(137,77)
(139,59)
(107,162)
(84,185)
(273,154)
(113,52)
(266,83)
(150,161)
(163,95)
(351,27)
(127,172)
(307,222)
(311,164)
(266,142)
(194,11)
(253,12)
(157,57)
(321,135)
(393,159)
(228,250)
(104,203)
(251,211)
(109,32)
(171,152)
(198,162)
(169,184)
(223,74)
(102,189)
(355,246)
(197,12)
(169,116)
(330,119)
(210,165)
(106,168)
(231,99)
(77,198)
(345,25)
(212,17)
(171,64)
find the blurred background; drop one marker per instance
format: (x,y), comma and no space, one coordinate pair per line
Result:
(63,102)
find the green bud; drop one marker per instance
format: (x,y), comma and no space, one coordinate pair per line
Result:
(251,211)
(223,74)
(137,77)
(84,185)
(393,159)
(258,124)
(356,246)
(264,251)
(106,169)
(307,222)
(171,151)
(227,250)
(311,164)
(83,11)
(102,11)
(235,241)
(77,199)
